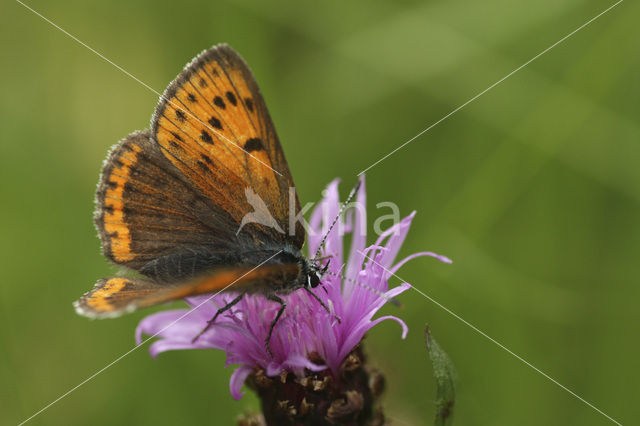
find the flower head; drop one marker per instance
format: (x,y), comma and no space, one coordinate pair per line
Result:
(306,330)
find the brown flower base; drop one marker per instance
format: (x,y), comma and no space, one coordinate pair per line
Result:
(319,398)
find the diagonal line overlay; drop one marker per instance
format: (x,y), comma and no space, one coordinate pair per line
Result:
(363,171)
(490,87)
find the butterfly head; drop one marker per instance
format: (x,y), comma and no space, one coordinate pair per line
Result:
(315,274)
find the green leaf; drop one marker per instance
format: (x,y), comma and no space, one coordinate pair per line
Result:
(446,378)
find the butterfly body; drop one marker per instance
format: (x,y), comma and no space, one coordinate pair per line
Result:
(173,201)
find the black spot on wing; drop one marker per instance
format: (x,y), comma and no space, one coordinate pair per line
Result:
(249,103)
(180,116)
(206,137)
(206,159)
(219,102)
(215,123)
(232,98)
(253,144)
(177,136)
(176,145)
(203,166)
(191,97)
(203,82)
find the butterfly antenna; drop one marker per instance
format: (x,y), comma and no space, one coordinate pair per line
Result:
(343,207)
(366,287)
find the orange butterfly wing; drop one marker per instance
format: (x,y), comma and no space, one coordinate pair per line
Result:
(170,201)
(213,125)
(147,210)
(113,297)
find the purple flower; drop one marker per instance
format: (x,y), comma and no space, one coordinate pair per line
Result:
(305,327)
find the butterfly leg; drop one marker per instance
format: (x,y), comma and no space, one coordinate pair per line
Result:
(283,305)
(315,296)
(213,320)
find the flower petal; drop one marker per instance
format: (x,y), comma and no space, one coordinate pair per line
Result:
(318,225)
(166,323)
(273,369)
(358,233)
(237,379)
(165,345)
(390,294)
(358,333)
(302,362)
(333,245)
(398,265)
(396,235)
(405,328)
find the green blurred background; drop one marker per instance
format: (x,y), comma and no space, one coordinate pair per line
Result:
(533,190)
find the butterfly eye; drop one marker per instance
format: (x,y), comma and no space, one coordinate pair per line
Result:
(314,280)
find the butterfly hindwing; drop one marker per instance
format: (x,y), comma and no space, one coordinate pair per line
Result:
(112,297)
(213,125)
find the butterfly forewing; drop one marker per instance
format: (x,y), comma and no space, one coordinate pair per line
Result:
(213,125)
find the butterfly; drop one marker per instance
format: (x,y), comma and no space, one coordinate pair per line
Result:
(173,201)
